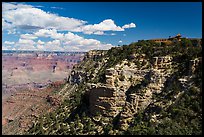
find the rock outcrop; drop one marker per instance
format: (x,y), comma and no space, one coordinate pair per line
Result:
(109,98)
(143,97)
(162,62)
(94,54)
(106,100)
(112,98)
(193,64)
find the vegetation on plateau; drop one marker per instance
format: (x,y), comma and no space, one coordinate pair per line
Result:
(184,117)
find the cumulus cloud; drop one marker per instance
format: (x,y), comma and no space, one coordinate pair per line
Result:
(106,25)
(52,33)
(40,47)
(28,36)
(25,44)
(73,42)
(36,23)
(22,16)
(131,25)
(53,46)
(13,6)
(8,47)
(99,29)
(26,41)
(25,47)
(27,16)
(9,42)
(60,42)
(39,42)
(120,41)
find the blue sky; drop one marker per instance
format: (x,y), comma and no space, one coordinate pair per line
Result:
(82,26)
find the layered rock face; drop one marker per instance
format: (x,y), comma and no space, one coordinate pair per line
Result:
(106,101)
(112,98)
(143,97)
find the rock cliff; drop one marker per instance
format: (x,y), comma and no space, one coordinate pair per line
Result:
(116,87)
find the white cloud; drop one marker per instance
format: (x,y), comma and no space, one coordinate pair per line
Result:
(41,24)
(53,46)
(73,42)
(45,32)
(26,17)
(26,41)
(40,42)
(52,33)
(57,8)
(13,6)
(120,41)
(61,42)
(40,47)
(131,25)
(98,33)
(12,31)
(26,47)
(9,42)
(25,44)
(8,47)
(106,25)
(54,42)
(5,25)
(28,36)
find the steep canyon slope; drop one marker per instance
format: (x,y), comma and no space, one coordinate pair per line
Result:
(141,88)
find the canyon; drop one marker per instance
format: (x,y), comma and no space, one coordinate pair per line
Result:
(136,89)
(141,89)
(28,82)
